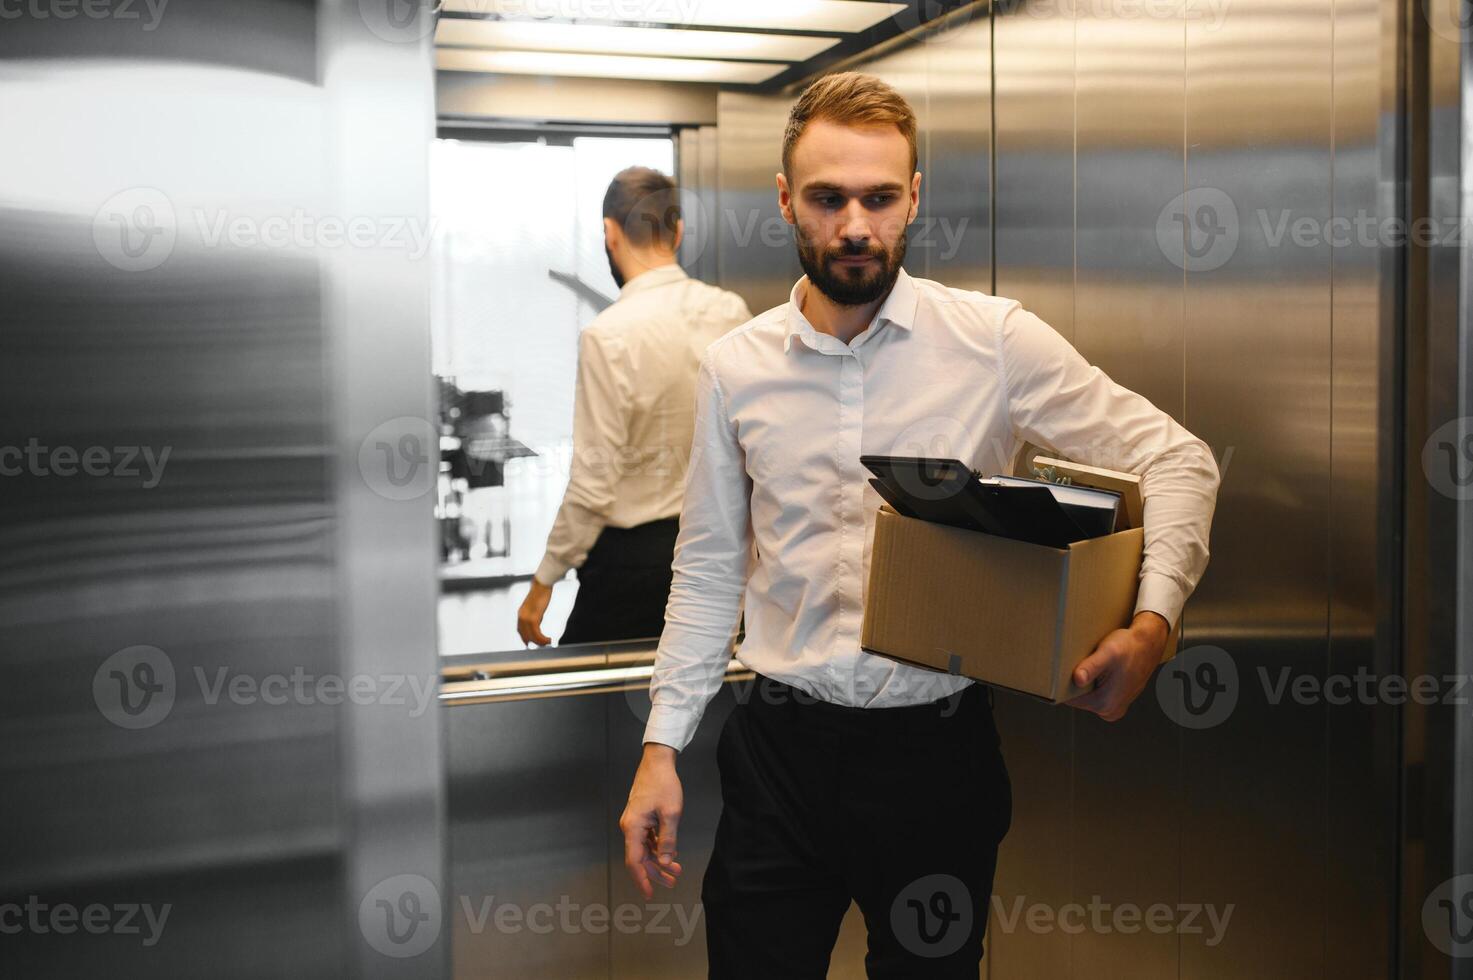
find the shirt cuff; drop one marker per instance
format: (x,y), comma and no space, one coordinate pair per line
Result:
(1159,593)
(671,726)
(551,571)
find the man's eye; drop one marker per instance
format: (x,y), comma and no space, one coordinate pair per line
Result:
(880,200)
(828,201)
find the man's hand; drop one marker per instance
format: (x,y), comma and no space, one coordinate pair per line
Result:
(1121,666)
(650,819)
(529,616)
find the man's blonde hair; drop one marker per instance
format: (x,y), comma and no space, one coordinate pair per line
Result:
(849,98)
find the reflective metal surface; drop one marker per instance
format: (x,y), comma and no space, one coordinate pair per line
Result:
(1271,350)
(1437,748)
(537,858)
(1274,352)
(1258,379)
(156,750)
(1033,209)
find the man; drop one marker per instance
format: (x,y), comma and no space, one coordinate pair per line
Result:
(632,417)
(844,774)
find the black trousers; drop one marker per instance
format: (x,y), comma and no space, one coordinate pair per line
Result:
(899,809)
(624,584)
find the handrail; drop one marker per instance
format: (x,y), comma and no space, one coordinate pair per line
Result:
(524,680)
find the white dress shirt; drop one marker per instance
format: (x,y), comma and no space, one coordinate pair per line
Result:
(783,414)
(633,408)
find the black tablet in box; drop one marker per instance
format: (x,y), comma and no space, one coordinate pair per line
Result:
(946,491)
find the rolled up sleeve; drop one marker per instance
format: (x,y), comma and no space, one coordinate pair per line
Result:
(709,572)
(1057,400)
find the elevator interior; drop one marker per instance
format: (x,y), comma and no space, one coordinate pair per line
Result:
(1060,143)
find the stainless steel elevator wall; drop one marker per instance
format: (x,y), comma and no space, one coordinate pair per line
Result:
(255,818)
(1106,121)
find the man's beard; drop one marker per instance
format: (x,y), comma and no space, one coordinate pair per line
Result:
(614,268)
(854,286)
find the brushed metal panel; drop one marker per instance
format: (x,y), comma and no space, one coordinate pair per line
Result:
(378,91)
(1362,742)
(1437,844)
(958,160)
(672,947)
(527,786)
(1033,140)
(1033,214)
(688,179)
(225,811)
(755,253)
(906,68)
(1128,321)
(706,182)
(1259,135)
(244,813)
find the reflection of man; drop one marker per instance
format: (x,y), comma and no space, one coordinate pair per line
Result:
(846,775)
(632,418)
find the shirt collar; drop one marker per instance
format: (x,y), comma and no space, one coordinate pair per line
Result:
(650,278)
(899,308)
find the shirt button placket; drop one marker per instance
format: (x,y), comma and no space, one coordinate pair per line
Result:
(852,498)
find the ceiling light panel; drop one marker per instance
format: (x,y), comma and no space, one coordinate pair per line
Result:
(648,41)
(834,16)
(607,66)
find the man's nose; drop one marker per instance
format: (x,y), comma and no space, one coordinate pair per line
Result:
(856,226)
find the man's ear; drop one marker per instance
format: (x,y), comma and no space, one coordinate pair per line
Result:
(613,234)
(679,234)
(915,196)
(785,198)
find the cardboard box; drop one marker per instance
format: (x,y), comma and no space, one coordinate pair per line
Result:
(1013,614)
